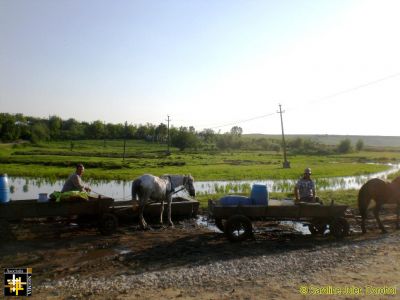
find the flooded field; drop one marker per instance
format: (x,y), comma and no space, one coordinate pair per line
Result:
(29,188)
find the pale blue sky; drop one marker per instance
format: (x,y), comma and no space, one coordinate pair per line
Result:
(205,63)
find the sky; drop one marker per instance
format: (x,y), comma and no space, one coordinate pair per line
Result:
(334,66)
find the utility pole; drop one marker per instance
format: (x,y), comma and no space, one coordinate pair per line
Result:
(104,134)
(125,134)
(286,164)
(168,139)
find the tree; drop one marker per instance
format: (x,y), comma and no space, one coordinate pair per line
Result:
(296,144)
(40,132)
(208,135)
(95,130)
(72,129)
(55,125)
(360,145)
(161,132)
(184,139)
(141,132)
(10,130)
(237,131)
(344,146)
(224,141)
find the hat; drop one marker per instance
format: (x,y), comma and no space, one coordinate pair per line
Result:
(307,171)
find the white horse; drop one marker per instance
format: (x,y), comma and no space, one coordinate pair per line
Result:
(157,189)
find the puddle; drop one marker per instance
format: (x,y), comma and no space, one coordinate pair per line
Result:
(297,226)
(281,226)
(122,251)
(202,221)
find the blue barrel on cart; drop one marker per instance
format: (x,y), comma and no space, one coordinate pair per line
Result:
(235,200)
(259,194)
(4,189)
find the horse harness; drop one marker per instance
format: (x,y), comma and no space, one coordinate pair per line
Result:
(172,191)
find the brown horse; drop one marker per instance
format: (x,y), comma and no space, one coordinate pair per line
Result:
(381,192)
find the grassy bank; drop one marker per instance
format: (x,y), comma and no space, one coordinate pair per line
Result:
(103,160)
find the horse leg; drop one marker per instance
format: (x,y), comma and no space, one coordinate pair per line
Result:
(161,211)
(376,214)
(169,211)
(398,214)
(363,229)
(142,222)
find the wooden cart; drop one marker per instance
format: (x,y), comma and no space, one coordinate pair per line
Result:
(236,220)
(181,207)
(97,210)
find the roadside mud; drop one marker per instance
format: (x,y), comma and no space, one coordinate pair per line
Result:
(58,250)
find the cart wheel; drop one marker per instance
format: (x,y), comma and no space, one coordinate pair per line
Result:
(317,227)
(238,228)
(339,227)
(220,224)
(108,224)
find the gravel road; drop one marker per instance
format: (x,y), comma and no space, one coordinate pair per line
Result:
(203,265)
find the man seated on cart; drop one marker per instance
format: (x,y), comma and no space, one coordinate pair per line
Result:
(304,189)
(74,181)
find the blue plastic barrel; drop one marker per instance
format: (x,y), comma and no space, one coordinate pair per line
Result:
(259,194)
(4,189)
(235,200)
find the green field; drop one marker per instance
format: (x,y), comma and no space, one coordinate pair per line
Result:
(104,160)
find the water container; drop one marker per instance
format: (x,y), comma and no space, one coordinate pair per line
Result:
(259,194)
(43,197)
(235,200)
(4,189)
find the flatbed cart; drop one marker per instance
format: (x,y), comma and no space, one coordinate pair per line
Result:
(236,220)
(97,210)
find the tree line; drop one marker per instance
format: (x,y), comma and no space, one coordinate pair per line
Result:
(15,127)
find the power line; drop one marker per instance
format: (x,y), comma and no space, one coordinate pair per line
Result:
(243,121)
(353,89)
(316,100)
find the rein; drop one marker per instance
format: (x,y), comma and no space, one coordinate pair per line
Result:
(173,188)
(174,192)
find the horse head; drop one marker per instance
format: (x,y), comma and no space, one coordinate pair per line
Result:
(188,183)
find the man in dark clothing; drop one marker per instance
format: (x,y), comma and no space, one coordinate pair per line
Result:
(304,190)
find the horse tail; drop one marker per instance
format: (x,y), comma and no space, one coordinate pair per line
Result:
(136,188)
(364,198)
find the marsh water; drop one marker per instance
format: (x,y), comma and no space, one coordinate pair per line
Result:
(29,188)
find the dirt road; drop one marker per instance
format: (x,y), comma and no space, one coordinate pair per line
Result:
(192,262)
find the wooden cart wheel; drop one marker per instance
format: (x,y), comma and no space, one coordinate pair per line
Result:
(108,224)
(317,227)
(238,228)
(339,227)
(220,224)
